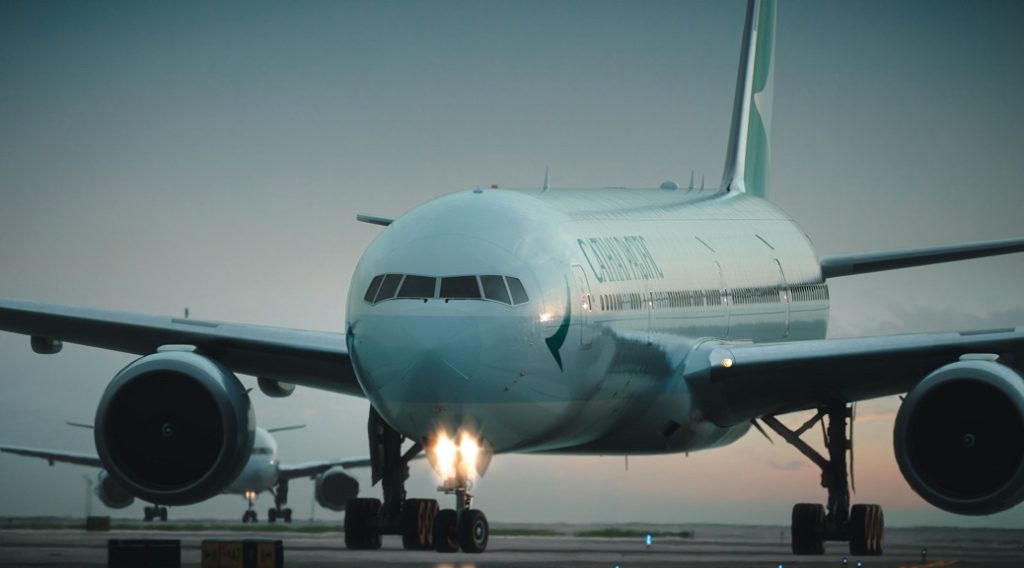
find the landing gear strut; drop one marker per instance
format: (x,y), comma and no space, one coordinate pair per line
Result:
(280,494)
(367,520)
(862,525)
(250,515)
(153,513)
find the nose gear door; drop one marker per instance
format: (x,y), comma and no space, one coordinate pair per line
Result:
(585,303)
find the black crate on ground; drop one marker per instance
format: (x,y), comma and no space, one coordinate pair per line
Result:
(143,553)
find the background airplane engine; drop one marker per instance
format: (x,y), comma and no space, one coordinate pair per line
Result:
(174,428)
(959,437)
(110,493)
(334,488)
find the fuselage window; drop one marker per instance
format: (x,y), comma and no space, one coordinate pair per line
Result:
(371,292)
(417,287)
(388,287)
(494,289)
(517,290)
(460,288)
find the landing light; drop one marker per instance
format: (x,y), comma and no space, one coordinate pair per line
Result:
(545,317)
(727,362)
(455,462)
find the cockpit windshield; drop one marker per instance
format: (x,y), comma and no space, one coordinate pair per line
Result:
(496,288)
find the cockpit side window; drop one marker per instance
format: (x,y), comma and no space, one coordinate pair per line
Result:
(371,292)
(388,287)
(417,287)
(494,289)
(518,291)
(460,288)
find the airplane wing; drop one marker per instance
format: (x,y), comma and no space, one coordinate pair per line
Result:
(309,469)
(861,263)
(54,456)
(739,382)
(309,358)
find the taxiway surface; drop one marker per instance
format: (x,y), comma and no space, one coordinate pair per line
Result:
(708,549)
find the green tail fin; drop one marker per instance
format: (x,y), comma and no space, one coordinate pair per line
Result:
(748,155)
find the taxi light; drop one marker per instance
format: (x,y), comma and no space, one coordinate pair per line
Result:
(455,462)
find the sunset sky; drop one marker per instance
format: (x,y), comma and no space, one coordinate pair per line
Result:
(155,156)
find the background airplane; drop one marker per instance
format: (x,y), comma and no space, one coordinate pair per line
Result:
(263,472)
(880,175)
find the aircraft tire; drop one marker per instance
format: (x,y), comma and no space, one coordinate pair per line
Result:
(271,515)
(147,514)
(446,531)
(163,514)
(866,530)
(359,534)
(418,523)
(807,523)
(287,515)
(474,532)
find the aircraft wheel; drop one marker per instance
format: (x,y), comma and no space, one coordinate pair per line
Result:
(446,531)
(418,523)
(245,517)
(359,534)
(808,521)
(147,514)
(271,515)
(474,531)
(287,515)
(866,530)
(163,514)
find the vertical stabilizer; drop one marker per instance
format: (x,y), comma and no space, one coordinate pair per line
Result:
(748,155)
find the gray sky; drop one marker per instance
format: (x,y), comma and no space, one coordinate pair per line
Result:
(214,155)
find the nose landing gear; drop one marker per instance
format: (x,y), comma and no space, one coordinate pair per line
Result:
(153,513)
(250,515)
(462,527)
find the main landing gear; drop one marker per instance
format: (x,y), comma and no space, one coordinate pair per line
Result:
(862,525)
(153,513)
(280,499)
(419,521)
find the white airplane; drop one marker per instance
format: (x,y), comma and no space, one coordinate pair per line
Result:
(576,321)
(262,472)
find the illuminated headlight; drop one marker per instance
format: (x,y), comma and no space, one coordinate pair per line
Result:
(456,460)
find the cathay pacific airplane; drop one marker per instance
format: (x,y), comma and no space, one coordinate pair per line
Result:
(262,472)
(576,321)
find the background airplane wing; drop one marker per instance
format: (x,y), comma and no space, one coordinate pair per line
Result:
(775,378)
(54,456)
(308,469)
(310,358)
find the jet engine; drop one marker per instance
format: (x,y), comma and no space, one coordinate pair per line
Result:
(110,493)
(174,428)
(959,437)
(334,489)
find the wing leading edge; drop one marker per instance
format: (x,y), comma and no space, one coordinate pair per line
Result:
(309,358)
(736,383)
(862,263)
(53,456)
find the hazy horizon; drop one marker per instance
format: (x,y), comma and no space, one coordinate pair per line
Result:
(155,156)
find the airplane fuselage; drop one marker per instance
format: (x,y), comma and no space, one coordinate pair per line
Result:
(261,470)
(621,284)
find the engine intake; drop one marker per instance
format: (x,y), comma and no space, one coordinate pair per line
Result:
(174,428)
(334,488)
(959,438)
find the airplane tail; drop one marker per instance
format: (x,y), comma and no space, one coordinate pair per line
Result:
(748,155)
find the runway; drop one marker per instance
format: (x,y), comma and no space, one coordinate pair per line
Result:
(709,548)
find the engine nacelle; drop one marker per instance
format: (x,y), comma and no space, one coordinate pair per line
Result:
(174,428)
(334,488)
(110,493)
(959,438)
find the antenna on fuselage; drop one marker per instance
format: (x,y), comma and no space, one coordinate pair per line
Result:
(691,181)
(546,186)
